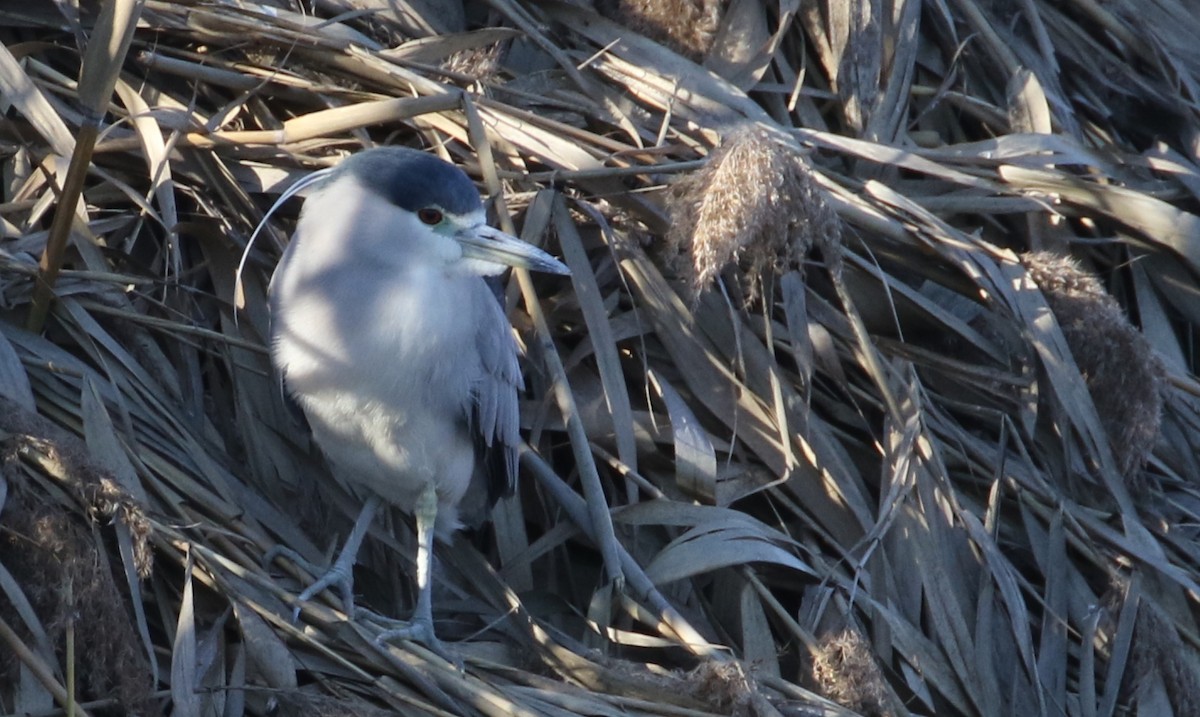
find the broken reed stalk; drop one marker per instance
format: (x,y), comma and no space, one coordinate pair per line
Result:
(60,226)
(102,63)
(39,669)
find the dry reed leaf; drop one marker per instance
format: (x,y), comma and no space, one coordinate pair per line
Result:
(14,381)
(1160,222)
(912,428)
(24,95)
(695,458)
(587,289)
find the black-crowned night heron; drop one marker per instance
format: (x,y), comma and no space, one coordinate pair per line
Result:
(386,329)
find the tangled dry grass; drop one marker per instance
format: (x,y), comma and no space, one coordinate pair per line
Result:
(872,392)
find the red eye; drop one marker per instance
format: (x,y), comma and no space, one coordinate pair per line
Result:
(430,216)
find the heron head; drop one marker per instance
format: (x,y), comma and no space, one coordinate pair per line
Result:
(395,204)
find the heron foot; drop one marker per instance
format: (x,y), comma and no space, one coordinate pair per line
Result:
(340,575)
(418,630)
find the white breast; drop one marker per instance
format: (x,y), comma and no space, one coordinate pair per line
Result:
(378,346)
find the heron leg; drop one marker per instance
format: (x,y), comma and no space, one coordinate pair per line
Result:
(341,572)
(426,515)
(420,627)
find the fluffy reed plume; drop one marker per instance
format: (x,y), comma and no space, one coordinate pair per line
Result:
(67,581)
(1161,663)
(64,572)
(1157,647)
(65,456)
(686,26)
(724,686)
(753,203)
(1123,375)
(845,671)
(478,63)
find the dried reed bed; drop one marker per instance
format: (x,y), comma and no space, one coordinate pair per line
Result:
(874,383)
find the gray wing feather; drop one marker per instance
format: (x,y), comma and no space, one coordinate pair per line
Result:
(495,411)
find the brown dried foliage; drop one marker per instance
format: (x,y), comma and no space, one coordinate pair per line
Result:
(65,455)
(1157,647)
(56,556)
(845,671)
(754,203)
(610,131)
(1123,375)
(686,26)
(480,63)
(723,685)
(61,570)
